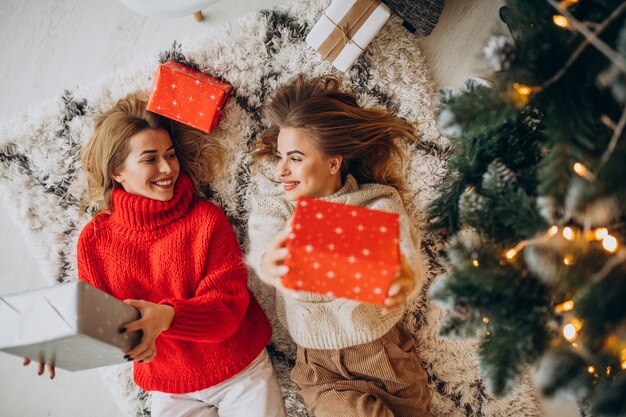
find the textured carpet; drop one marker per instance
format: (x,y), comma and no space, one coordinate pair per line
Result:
(40,172)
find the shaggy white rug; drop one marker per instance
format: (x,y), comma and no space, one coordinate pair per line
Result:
(40,171)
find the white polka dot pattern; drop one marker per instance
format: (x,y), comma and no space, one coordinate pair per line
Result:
(342,251)
(188,96)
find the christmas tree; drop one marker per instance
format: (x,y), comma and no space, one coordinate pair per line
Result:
(533,206)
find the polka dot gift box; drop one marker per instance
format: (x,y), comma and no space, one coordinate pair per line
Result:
(188,96)
(342,251)
(74,326)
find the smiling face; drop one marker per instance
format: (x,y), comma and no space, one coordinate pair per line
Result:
(303,169)
(151,167)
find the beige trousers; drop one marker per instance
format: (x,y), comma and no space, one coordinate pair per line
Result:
(383,378)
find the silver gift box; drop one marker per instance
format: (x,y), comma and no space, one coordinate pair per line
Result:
(73,326)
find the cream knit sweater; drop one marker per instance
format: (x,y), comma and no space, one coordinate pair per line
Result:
(320,322)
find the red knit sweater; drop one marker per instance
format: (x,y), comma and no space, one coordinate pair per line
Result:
(182,252)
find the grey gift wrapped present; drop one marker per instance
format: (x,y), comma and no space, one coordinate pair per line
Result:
(73,326)
(420,16)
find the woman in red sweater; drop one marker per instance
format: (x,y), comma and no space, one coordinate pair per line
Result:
(173,255)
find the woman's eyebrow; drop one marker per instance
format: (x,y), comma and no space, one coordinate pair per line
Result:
(155,151)
(295,151)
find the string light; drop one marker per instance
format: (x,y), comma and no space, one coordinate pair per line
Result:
(601,233)
(565,4)
(623,359)
(475,263)
(608,371)
(560,20)
(565,306)
(510,254)
(591,369)
(568,260)
(571,329)
(486,320)
(568,233)
(553,230)
(522,89)
(580,169)
(609,243)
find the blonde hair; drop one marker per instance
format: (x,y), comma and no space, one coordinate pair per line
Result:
(365,138)
(200,156)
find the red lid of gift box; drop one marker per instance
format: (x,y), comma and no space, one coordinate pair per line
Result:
(188,96)
(342,251)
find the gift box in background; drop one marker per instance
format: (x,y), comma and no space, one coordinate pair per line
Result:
(345,29)
(420,16)
(188,96)
(342,251)
(74,326)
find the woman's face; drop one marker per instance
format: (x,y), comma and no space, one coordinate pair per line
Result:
(304,171)
(151,168)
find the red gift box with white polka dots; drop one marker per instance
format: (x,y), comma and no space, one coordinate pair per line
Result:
(342,251)
(188,96)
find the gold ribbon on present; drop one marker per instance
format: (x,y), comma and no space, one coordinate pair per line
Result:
(346,28)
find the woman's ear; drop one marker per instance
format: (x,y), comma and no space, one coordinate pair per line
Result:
(335,163)
(117,177)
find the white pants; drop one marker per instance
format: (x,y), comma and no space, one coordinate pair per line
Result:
(253,392)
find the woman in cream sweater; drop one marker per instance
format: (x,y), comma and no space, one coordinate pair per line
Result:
(354,359)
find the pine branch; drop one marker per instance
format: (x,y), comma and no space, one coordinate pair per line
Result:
(591,38)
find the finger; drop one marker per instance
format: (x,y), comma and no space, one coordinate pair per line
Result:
(279,271)
(138,304)
(26,362)
(40,368)
(282,237)
(51,371)
(140,353)
(133,326)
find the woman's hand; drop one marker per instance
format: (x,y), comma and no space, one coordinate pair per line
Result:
(40,368)
(273,260)
(155,319)
(402,286)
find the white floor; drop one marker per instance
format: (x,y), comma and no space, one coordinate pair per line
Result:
(50,45)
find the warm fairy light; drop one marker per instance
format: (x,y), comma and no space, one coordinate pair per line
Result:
(565,306)
(560,21)
(475,263)
(569,332)
(567,3)
(568,260)
(580,169)
(622,359)
(568,233)
(510,254)
(553,230)
(571,329)
(591,369)
(601,233)
(609,243)
(486,320)
(608,371)
(522,89)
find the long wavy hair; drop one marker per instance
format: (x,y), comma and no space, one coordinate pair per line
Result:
(365,138)
(201,157)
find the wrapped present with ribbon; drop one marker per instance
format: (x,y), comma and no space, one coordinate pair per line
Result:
(188,96)
(342,251)
(346,29)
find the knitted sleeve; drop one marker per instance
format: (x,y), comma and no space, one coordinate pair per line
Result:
(390,201)
(269,215)
(87,258)
(221,298)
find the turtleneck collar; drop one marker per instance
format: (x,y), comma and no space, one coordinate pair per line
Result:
(349,186)
(136,212)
